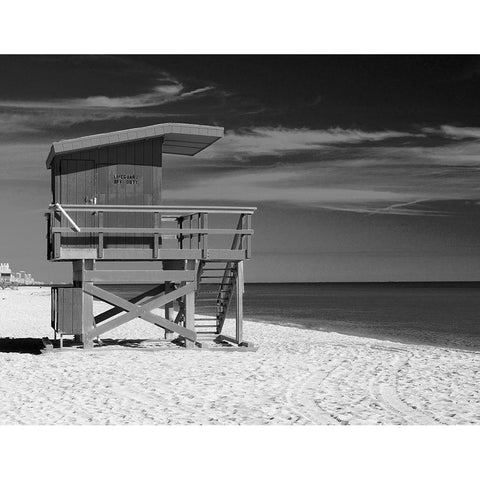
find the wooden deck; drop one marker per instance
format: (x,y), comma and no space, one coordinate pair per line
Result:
(176,233)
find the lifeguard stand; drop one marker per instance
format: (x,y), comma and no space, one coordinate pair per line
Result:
(107,207)
(5,274)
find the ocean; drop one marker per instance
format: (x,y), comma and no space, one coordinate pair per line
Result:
(440,314)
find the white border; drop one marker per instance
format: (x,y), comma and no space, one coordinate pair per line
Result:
(249,26)
(239,452)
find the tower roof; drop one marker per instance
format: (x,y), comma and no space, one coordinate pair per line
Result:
(179,139)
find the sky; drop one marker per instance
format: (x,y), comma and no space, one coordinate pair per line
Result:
(363,168)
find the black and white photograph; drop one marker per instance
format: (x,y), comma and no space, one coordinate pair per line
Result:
(245,238)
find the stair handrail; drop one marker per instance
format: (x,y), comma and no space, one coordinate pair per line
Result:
(227,276)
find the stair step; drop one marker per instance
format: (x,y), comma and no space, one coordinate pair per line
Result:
(213,270)
(223,292)
(218,276)
(207,337)
(212,285)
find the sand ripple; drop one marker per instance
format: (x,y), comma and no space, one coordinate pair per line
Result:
(296,377)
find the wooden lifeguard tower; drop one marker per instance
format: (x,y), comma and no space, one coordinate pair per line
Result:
(106,207)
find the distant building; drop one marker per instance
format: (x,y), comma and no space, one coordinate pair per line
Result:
(5,272)
(19,278)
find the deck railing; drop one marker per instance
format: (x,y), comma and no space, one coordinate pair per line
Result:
(191,231)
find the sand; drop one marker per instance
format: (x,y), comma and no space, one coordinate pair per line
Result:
(296,377)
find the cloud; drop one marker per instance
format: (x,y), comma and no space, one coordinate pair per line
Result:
(15,123)
(159,95)
(280,141)
(336,169)
(287,185)
(37,116)
(453,132)
(372,190)
(260,141)
(381,172)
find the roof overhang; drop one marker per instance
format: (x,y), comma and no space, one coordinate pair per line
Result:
(179,139)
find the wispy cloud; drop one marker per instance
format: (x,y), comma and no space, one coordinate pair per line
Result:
(285,185)
(338,169)
(279,141)
(167,91)
(27,116)
(454,132)
(372,172)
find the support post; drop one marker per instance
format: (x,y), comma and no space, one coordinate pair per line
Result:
(239,311)
(87,309)
(190,316)
(169,312)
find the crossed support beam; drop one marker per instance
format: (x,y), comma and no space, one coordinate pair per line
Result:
(175,284)
(139,307)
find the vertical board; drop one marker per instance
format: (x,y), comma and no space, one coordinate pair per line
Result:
(157,170)
(65,309)
(90,219)
(69,310)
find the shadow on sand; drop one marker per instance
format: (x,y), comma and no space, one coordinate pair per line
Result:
(142,343)
(33,346)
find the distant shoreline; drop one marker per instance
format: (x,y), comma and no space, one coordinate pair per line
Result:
(475,283)
(450,283)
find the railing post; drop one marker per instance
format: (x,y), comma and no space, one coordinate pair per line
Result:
(242,236)
(248,249)
(180,237)
(156,224)
(198,235)
(190,237)
(100,235)
(204,239)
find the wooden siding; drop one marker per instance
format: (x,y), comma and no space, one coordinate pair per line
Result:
(124,174)
(69,311)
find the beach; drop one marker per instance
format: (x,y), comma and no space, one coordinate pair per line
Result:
(297,376)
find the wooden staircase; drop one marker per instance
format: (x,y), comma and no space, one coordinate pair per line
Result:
(216,284)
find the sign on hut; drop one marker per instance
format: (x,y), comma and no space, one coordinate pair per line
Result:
(106,206)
